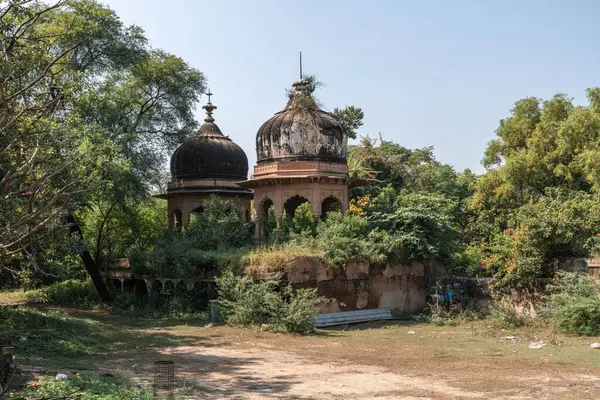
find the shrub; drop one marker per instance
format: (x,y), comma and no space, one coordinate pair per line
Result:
(270,302)
(342,237)
(68,293)
(574,303)
(579,315)
(504,316)
(88,387)
(422,225)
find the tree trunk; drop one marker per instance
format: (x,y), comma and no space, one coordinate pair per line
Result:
(90,264)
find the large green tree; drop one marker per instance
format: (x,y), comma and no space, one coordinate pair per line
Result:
(88,112)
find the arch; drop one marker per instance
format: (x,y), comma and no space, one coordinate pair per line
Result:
(198,210)
(157,287)
(128,285)
(330,204)
(169,288)
(292,204)
(177,218)
(116,284)
(180,288)
(140,288)
(264,206)
(201,293)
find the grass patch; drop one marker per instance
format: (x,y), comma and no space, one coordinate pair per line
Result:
(18,297)
(57,339)
(90,387)
(83,295)
(276,258)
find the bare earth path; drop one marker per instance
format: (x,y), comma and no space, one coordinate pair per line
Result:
(386,362)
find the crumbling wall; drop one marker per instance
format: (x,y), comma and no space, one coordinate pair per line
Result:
(364,286)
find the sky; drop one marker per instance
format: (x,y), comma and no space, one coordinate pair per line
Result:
(426,73)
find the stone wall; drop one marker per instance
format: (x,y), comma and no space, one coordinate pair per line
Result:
(364,286)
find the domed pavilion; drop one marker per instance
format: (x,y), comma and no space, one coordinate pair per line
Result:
(301,157)
(205,164)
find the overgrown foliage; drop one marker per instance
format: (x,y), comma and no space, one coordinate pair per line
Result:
(86,387)
(88,113)
(269,302)
(575,303)
(216,238)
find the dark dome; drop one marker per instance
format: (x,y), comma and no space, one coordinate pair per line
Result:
(301,132)
(209,155)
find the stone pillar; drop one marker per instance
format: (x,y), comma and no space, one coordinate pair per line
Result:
(257,228)
(315,204)
(344,199)
(263,233)
(185,216)
(279,210)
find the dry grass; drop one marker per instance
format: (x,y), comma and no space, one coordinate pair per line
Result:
(276,258)
(15,297)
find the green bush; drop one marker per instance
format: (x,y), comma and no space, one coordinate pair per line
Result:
(217,238)
(73,292)
(575,304)
(270,302)
(89,387)
(579,315)
(341,237)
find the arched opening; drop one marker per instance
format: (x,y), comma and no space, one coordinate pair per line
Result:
(116,284)
(292,204)
(157,287)
(247,215)
(180,288)
(169,289)
(201,294)
(177,219)
(265,206)
(140,288)
(330,204)
(128,285)
(267,218)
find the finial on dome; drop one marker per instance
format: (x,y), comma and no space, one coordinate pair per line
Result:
(209,107)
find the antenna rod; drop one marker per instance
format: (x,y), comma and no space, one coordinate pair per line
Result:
(300,65)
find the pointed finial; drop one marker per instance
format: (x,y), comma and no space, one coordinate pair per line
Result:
(209,107)
(301,66)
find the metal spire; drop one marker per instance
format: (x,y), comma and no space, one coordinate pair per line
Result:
(209,107)
(301,66)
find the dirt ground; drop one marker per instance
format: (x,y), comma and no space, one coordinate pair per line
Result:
(377,361)
(386,360)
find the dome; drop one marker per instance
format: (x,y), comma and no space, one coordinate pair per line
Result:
(209,155)
(301,131)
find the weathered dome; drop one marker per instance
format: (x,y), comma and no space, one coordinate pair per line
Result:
(301,131)
(209,155)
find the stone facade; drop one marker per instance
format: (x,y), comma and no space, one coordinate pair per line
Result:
(362,285)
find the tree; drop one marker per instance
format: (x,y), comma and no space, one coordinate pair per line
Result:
(542,144)
(88,113)
(351,118)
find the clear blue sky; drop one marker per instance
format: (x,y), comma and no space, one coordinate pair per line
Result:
(439,73)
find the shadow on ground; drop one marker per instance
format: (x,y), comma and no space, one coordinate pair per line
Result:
(49,340)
